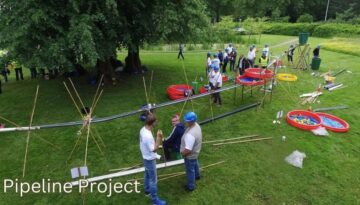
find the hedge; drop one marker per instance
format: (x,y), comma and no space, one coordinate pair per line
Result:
(315,29)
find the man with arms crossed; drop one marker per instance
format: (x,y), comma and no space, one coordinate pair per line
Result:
(190,149)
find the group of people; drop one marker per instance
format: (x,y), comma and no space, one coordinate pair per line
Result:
(184,140)
(222,59)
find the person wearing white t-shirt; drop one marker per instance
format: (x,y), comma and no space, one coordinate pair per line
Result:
(208,63)
(215,79)
(216,60)
(148,148)
(190,149)
(266,50)
(251,56)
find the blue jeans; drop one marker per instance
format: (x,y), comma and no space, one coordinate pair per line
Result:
(192,172)
(150,179)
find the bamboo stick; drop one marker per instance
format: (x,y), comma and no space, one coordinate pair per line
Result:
(77,94)
(150,86)
(72,98)
(125,168)
(97,91)
(146,94)
(230,139)
(28,133)
(183,173)
(242,141)
(87,144)
(9,121)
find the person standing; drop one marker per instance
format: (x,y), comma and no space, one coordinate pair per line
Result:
(208,63)
(172,143)
(148,147)
(18,71)
(316,51)
(215,79)
(190,149)
(266,50)
(232,59)
(229,48)
(216,60)
(263,60)
(4,72)
(181,50)
(251,55)
(221,58)
(226,59)
(241,64)
(33,72)
(290,53)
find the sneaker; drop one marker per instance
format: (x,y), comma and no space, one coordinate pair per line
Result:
(188,189)
(197,178)
(159,202)
(147,194)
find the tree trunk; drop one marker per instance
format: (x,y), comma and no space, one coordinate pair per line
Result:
(217,15)
(132,61)
(107,70)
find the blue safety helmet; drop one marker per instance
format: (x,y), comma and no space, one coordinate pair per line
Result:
(215,55)
(190,117)
(216,68)
(208,54)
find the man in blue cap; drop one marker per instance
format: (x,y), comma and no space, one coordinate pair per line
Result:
(216,60)
(190,149)
(215,82)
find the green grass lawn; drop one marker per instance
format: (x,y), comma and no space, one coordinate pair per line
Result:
(254,173)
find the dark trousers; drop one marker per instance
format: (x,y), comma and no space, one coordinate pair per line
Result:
(168,150)
(216,96)
(19,73)
(33,72)
(290,58)
(232,65)
(3,73)
(224,66)
(181,54)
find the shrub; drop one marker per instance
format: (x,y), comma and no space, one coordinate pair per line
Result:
(315,29)
(305,18)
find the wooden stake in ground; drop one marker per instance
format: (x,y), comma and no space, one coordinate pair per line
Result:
(243,141)
(28,132)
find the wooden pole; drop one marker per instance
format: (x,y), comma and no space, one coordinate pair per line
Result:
(72,98)
(77,94)
(146,95)
(150,86)
(11,122)
(243,141)
(230,139)
(87,144)
(97,91)
(28,132)
(125,168)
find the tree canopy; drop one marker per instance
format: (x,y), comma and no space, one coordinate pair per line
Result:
(66,33)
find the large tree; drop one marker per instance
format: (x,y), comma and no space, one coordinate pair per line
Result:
(69,33)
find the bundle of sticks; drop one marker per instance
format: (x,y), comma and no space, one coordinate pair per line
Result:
(310,97)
